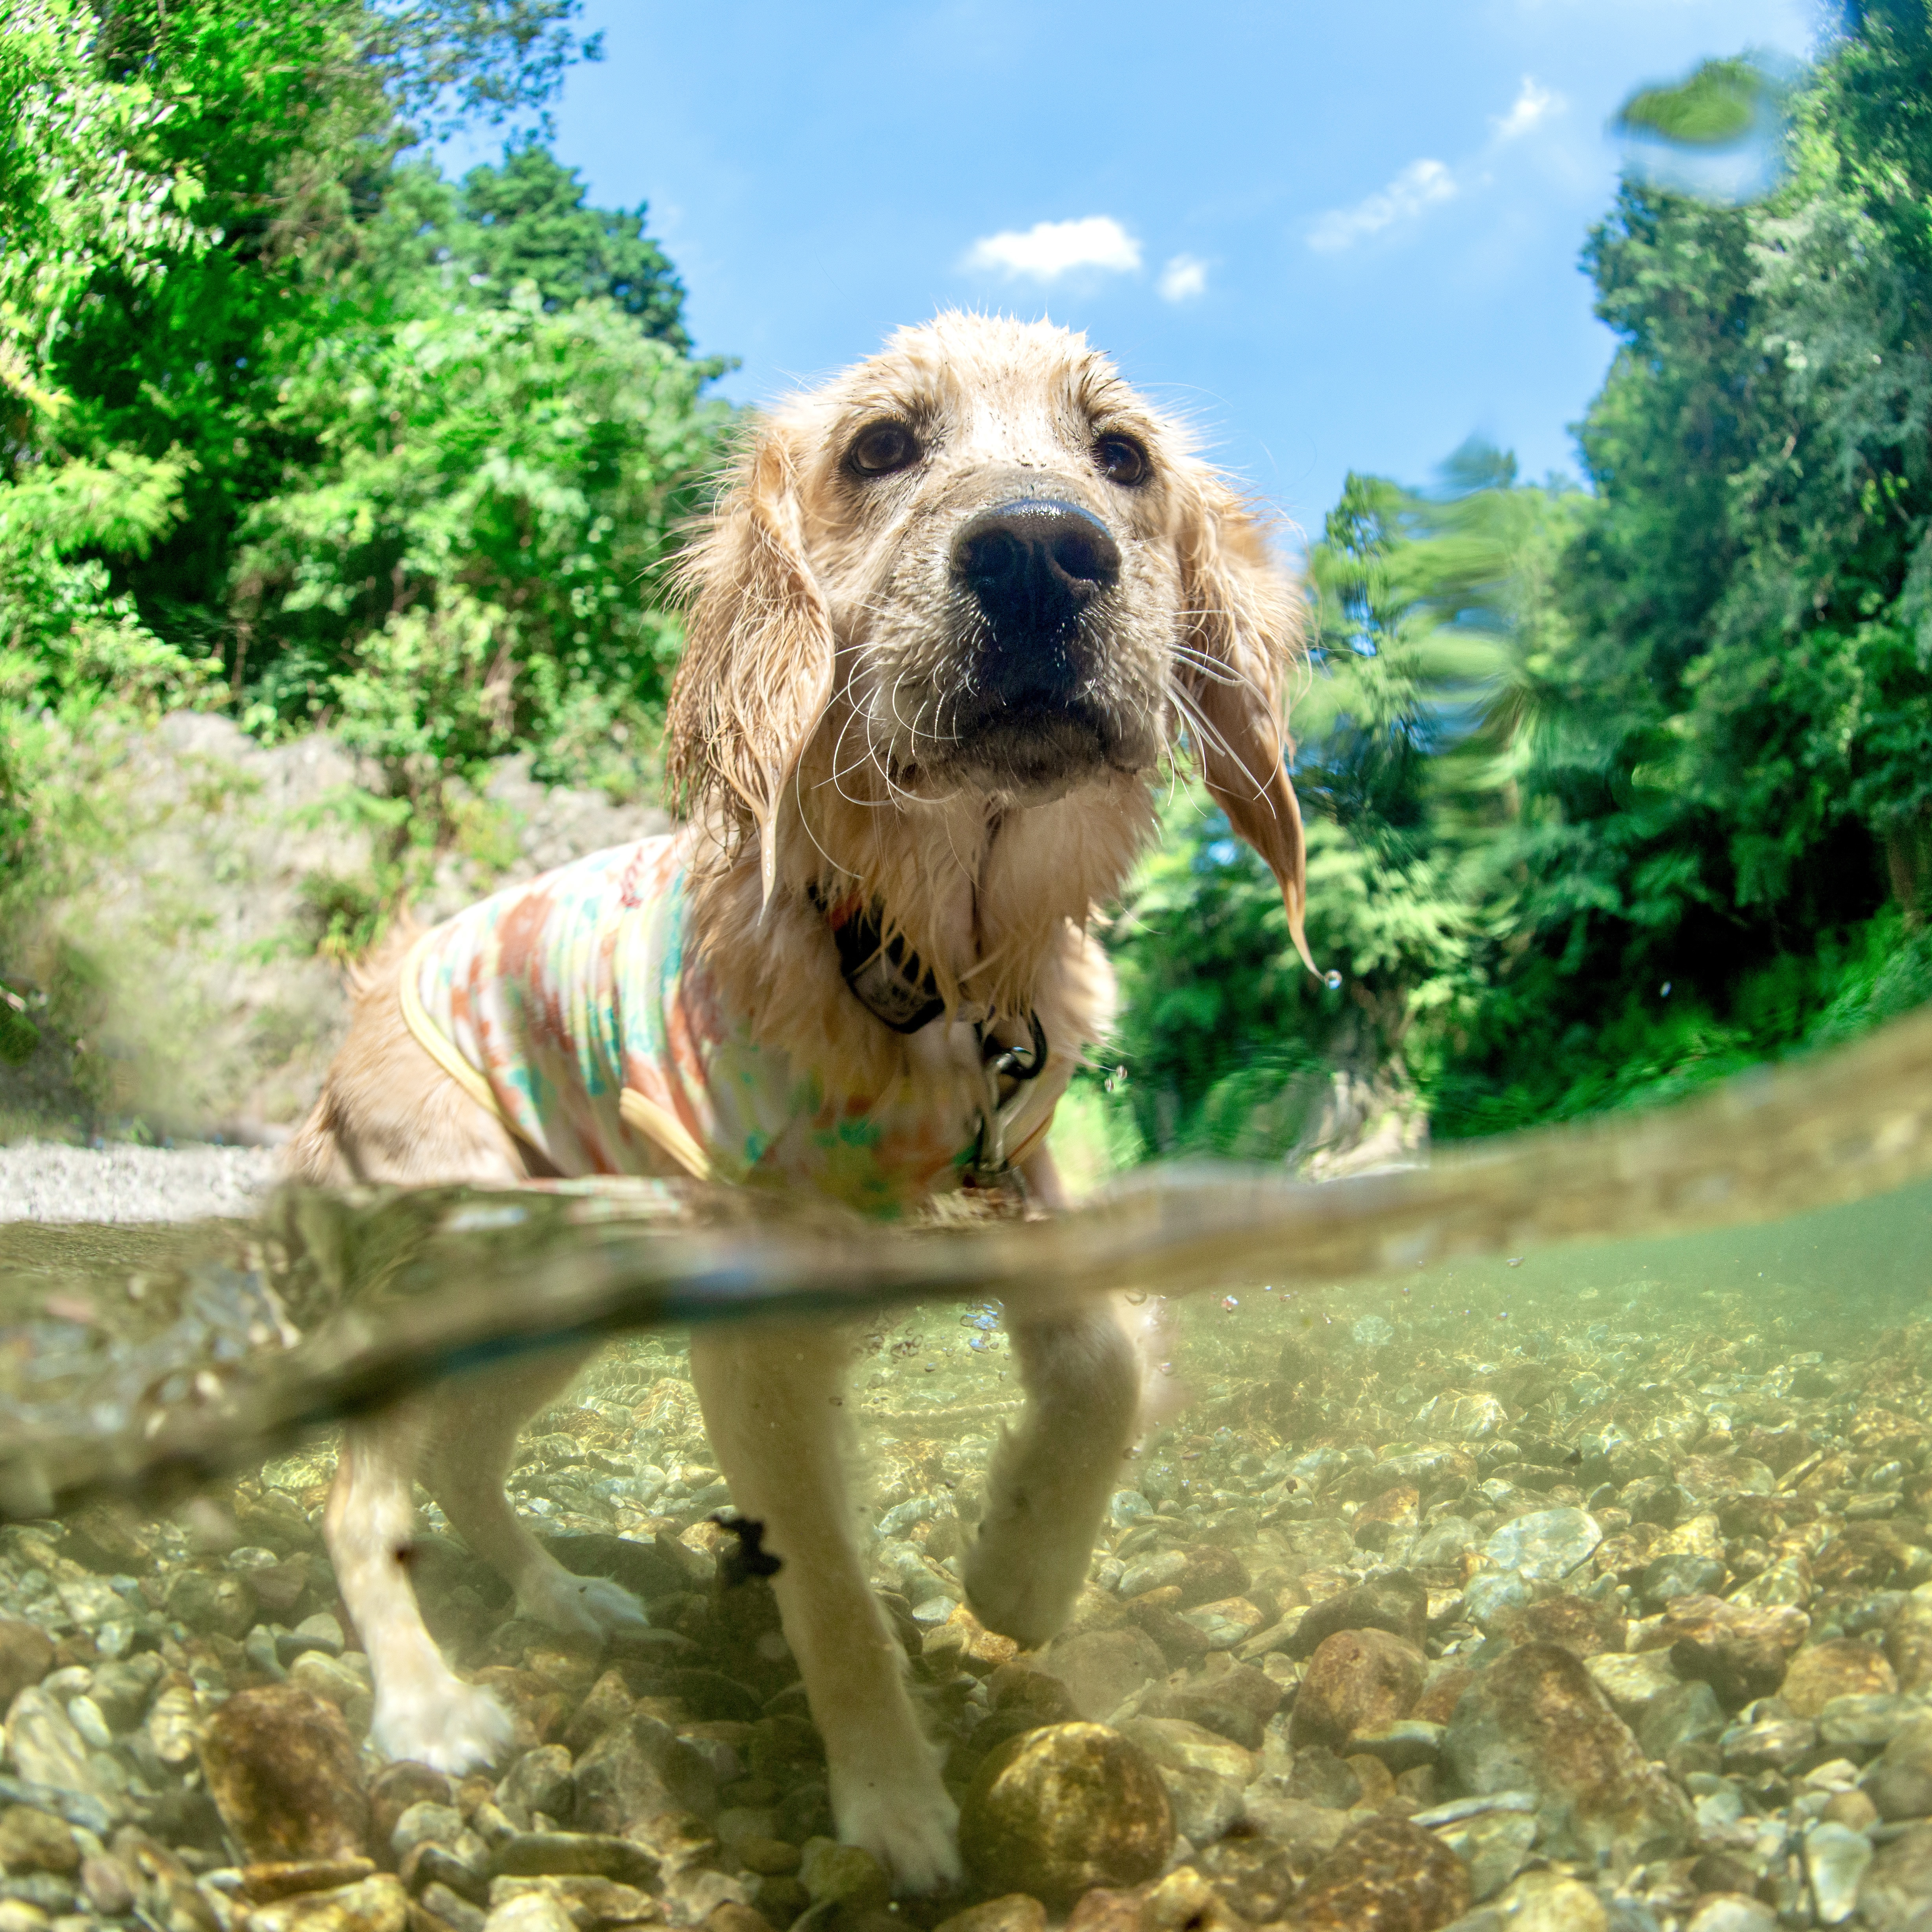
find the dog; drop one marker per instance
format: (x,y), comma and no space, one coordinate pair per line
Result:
(953,615)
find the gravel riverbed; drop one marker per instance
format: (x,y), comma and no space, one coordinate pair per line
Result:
(49,1180)
(1612,1614)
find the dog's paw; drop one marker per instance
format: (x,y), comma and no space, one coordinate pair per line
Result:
(910,1825)
(447,1725)
(1021,1582)
(589,1606)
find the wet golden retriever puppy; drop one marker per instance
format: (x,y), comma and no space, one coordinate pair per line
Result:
(953,614)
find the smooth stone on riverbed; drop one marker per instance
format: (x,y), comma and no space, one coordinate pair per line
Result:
(1680,1574)
(1544,1546)
(594,1854)
(1057,1811)
(35,1840)
(1205,1774)
(1402,1745)
(1901,1782)
(221,1601)
(529,1912)
(1536,1719)
(1895,1895)
(26,1656)
(1835,1858)
(1632,1680)
(1687,1714)
(1842,1667)
(43,1744)
(1357,1680)
(283,1771)
(1867,1723)
(1385,1875)
(1395,1602)
(1014,1912)
(1731,1912)
(1740,1650)
(1548,1901)
(1494,1595)
(1235,1699)
(1102,1668)
(377,1904)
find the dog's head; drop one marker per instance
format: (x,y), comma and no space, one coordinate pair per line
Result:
(979,565)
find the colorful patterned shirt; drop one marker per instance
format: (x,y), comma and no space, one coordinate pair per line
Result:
(571,1007)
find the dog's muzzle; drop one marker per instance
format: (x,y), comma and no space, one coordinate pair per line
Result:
(1033,567)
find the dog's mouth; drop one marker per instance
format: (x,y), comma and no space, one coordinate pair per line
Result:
(1041,748)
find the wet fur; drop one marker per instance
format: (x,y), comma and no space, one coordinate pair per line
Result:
(810,747)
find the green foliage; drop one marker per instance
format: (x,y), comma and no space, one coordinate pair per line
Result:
(1735,779)
(526,221)
(292,425)
(467,567)
(1613,793)
(84,186)
(1717,106)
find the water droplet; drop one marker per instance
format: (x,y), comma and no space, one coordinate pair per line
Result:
(1333,981)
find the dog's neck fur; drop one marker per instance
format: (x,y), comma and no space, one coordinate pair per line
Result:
(995,898)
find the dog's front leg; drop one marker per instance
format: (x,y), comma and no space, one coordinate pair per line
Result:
(770,1397)
(424,1710)
(1048,1483)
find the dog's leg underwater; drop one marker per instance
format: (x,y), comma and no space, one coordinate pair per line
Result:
(424,1710)
(477,1421)
(1049,1481)
(1048,1485)
(770,1399)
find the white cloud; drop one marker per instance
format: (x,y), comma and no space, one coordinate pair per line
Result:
(1533,105)
(1420,185)
(1182,279)
(1049,249)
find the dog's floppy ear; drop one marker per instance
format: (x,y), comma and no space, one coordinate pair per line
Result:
(1241,637)
(758,657)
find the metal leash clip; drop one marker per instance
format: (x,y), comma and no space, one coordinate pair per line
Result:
(999,1062)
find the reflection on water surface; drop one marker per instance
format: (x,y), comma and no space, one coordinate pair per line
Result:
(1594,1578)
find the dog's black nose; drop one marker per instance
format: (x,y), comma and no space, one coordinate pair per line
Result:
(1034,565)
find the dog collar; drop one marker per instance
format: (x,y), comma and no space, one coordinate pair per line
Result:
(892,983)
(887,977)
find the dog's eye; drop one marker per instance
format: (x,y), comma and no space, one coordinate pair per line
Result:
(885,447)
(1120,460)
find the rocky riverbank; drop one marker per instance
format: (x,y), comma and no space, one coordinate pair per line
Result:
(177,979)
(1625,1625)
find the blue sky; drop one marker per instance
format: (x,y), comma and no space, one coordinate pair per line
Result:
(1336,237)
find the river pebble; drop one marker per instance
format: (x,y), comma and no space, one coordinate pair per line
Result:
(1064,1808)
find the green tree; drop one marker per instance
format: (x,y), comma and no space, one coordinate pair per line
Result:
(468,565)
(1226,1044)
(225,284)
(1734,781)
(526,221)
